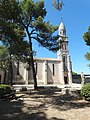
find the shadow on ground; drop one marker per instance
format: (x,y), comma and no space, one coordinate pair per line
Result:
(14,109)
(60,101)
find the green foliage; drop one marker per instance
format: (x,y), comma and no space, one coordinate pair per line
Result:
(58,4)
(85,91)
(7,8)
(25,15)
(32,19)
(86,37)
(3,52)
(74,73)
(5,89)
(11,33)
(87,56)
(4,57)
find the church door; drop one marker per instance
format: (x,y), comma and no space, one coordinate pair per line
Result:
(65,80)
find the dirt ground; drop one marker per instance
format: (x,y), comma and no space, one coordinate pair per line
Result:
(47,104)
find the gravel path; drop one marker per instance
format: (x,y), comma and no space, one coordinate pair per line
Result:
(45,105)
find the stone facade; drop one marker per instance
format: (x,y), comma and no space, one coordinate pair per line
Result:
(48,71)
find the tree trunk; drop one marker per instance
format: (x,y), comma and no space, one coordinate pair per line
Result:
(11,71)
(34,72)
(33,68)
(4,77)
(0,79)
(8,79)
(32,61)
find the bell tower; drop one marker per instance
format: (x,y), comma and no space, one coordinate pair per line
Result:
(63,55)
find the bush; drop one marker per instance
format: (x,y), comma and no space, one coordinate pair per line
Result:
(5,89)
(85,91)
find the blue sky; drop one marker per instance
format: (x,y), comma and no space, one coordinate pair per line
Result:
(76,18)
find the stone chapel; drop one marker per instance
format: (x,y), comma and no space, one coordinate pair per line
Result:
(48,71)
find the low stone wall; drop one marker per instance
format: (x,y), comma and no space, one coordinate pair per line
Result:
(87,80)
(78,81)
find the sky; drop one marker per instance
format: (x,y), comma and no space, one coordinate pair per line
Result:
(76,18)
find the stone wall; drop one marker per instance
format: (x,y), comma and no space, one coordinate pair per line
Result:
(77,79)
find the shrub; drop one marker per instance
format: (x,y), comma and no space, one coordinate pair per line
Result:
(85,91)
(5,89)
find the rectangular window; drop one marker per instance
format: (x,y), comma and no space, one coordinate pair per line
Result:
(53,69)
(65,46)
(62,46)
(36,68)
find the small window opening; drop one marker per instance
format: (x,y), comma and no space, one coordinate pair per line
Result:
(35,66)
(53,69)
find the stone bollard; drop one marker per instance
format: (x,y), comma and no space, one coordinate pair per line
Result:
(83,79)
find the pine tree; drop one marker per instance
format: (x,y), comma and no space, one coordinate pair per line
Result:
(86,37)
(30,15)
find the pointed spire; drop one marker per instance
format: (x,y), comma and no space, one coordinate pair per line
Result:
(62,29)
(62,26)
